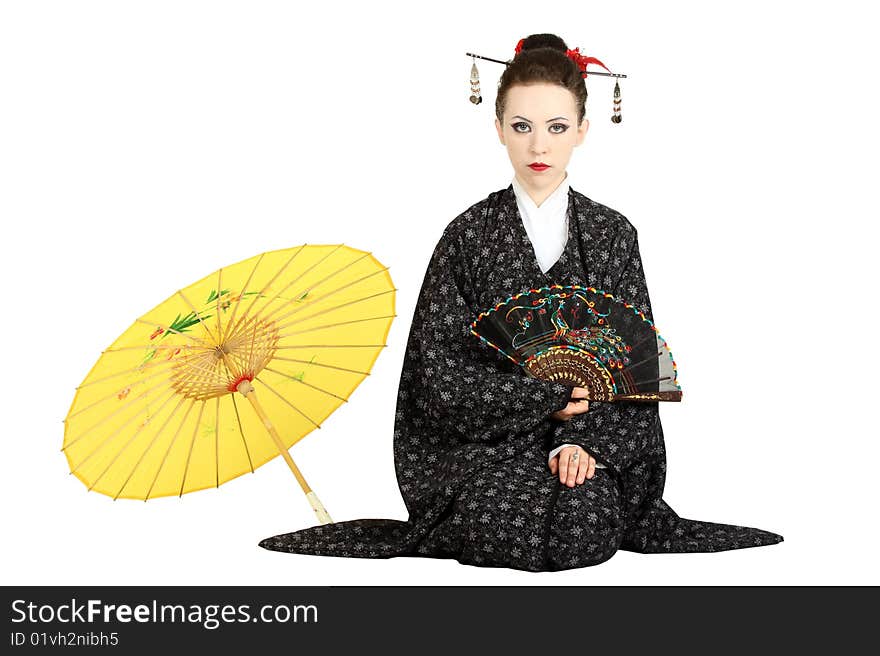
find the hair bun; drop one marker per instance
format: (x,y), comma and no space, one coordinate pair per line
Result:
(543,41)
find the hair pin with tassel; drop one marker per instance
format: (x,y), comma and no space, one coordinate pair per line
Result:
(581,60)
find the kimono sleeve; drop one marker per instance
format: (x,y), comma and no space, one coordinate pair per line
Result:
(616,433)
(456,380)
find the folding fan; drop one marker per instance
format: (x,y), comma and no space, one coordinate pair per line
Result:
(585,337)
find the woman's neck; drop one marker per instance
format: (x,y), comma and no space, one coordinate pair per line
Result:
(540,194)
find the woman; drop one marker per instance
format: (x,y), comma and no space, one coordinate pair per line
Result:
(497,468)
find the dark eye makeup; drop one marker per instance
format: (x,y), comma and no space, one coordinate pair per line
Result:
(518,124)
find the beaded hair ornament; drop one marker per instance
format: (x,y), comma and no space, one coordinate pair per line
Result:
(575,55)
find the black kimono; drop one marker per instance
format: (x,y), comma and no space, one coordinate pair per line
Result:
(473,432)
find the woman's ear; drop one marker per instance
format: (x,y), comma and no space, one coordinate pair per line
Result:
(582,131)
(500,131)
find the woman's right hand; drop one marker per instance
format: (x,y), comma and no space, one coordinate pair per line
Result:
(574,407)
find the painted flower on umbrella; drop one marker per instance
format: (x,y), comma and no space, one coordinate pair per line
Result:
(179,325)
(182,324)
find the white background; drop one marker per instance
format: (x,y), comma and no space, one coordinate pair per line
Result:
(144,145)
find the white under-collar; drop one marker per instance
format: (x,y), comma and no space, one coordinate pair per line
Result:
(558,197)
(546,225)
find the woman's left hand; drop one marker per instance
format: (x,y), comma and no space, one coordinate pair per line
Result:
(573,471)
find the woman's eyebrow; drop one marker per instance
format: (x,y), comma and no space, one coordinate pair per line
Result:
(548,120)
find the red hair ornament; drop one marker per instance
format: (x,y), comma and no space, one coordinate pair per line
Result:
(574,55)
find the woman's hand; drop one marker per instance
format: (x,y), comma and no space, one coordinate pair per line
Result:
(574,407)
(573,464)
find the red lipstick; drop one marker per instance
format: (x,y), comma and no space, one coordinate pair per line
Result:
(539,166)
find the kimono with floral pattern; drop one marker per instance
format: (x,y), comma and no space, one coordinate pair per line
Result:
(472,431)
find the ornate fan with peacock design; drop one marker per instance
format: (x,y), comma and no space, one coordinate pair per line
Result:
(585,337)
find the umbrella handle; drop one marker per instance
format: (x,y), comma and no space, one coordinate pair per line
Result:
(247,389)
(318,507)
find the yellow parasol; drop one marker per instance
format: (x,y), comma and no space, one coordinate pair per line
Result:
(293,331)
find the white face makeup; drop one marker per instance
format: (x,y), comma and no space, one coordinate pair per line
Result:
(540,126)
